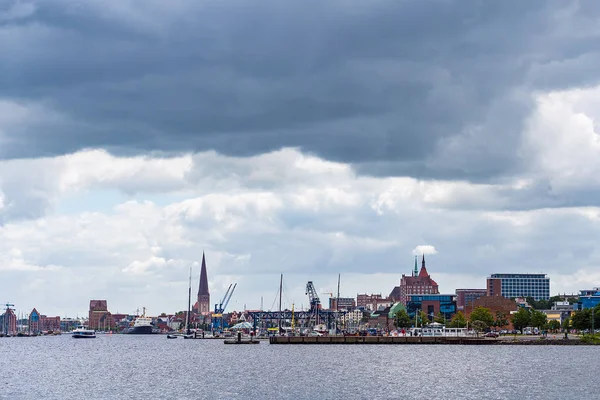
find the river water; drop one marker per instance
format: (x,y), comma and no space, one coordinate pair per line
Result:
(153,367)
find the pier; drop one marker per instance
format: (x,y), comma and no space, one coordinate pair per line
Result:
(381,340)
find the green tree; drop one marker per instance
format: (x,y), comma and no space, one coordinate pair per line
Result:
(582,320)
(423,318)
(538,319)
(521,318)
(458,320)
(566,324)
(440,318)
(479,326)
(402,320)
(482,314)
(553,325)
(501,321)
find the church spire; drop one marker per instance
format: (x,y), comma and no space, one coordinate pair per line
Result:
(416,271)
(423,273)
(203,288)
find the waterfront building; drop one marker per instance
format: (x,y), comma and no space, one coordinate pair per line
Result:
(34,321)
(99,317)
(345,303)
(589,298)
(432,305)
(8,322)
(519,285)
(497,305)
(557,315)
(372,302)
(418,283)
(465,297)
(203,292)
(68,324)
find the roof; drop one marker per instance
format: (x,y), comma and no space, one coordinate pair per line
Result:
(203,287)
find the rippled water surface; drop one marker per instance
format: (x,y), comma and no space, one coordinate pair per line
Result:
(152,367)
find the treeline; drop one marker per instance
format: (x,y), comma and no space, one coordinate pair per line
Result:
(482,319)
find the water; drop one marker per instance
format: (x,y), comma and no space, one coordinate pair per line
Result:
(153,367)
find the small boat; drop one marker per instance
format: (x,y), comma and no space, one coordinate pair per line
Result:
(82,333)
(190,336)
(169,336)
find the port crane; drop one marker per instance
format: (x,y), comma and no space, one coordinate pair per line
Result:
(314,301)
(221,306)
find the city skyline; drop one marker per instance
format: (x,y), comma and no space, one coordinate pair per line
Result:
(336,139)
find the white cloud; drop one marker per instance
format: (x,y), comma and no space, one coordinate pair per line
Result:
(424,249)
(257,217)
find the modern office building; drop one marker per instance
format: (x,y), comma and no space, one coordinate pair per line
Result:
(432,305)
(465,297)
(519,285)
(589,298)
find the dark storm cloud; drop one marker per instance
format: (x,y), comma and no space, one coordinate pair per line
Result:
(430,89)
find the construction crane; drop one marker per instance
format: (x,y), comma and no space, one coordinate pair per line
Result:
(221,306)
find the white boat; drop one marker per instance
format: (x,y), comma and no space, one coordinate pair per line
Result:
(82,333)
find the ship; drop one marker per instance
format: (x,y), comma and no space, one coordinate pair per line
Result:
(143,325)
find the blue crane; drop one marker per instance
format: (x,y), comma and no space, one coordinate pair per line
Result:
(221,306)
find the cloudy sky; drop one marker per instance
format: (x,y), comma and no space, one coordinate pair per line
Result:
(307,138)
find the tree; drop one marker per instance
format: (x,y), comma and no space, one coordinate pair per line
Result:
(402,320)
(501,321)
(423,318)
(440,318)
(482,314)
(521,318)
(566,324)
(538,319)
(458,320)
(479,326)
(582,320)
(553,325)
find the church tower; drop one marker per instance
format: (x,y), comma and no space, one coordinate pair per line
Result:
(203,293)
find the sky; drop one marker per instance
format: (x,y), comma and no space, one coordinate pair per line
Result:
(303,138)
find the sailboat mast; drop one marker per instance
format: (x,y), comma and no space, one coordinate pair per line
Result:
(337,301)
(187,324)
(280,293)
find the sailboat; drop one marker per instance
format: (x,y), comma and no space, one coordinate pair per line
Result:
(188,332)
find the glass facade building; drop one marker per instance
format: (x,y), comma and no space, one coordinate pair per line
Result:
(432,305)
(519,285)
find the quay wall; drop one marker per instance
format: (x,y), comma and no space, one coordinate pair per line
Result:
(379,340)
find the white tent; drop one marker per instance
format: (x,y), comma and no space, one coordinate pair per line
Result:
(242,325)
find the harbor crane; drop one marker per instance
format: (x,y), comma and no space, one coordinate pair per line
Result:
(314,301)
(313,297)
(221,306)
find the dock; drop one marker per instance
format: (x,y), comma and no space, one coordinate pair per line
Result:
(239,340)
(381,340)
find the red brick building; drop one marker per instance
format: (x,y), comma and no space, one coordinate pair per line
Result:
(496,304)
(99,316)
(465,297)
(372,302)
(418,283)
(50,324)
(8,322)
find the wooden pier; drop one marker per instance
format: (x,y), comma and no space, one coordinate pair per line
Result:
(381,340)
